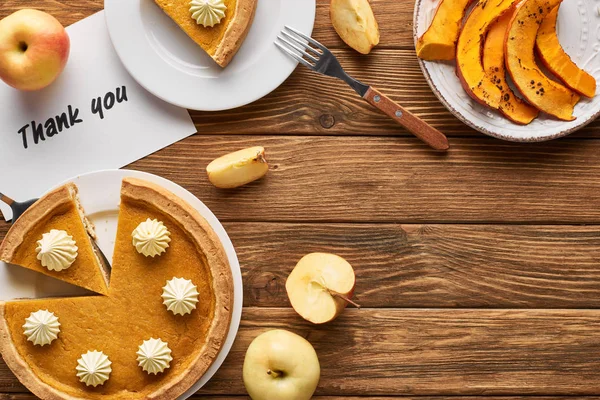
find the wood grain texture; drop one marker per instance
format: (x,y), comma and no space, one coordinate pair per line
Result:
(395,180)
(429,266)
(430,352)
(398,180)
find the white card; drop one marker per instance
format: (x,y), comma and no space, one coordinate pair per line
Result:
(74,134)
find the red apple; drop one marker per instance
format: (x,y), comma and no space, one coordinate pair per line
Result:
(34,48)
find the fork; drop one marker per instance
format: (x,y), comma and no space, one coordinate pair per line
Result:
(18,208)
(297,45)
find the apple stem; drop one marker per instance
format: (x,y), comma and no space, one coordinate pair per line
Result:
(341,296)
(274,373)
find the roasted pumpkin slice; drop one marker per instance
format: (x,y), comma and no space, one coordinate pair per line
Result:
(559,62)
(439,41)
(545,94)
(469,57)
(511,106)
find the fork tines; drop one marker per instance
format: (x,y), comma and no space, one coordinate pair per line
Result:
(295,43)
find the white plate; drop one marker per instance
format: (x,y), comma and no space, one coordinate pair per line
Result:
(164,60)
(100,196)
(579,33)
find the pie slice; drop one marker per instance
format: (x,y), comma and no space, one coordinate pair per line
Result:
(133,311)
(221,41)
(60,209)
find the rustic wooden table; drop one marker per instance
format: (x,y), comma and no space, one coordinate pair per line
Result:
(478,270)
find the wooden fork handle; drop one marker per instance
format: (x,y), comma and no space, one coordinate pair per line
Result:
(414,124)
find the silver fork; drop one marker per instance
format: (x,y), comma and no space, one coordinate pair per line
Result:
(319,59)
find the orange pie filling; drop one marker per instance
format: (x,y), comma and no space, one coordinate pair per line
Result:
(207,38)
(133,312)
(68,219)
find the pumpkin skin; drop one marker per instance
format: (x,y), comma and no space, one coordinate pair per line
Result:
(511,106)
(469,52)
(543,93)
(439,41)
(558,62)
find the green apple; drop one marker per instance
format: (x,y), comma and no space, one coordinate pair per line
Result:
(281,365)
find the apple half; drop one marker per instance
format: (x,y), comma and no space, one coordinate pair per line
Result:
(321,286)
(355,22)
(238,168)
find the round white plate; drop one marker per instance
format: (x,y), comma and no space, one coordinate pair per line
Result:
(100,197)
(165,61)
(579,33)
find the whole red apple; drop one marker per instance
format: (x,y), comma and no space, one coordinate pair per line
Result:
(34,48)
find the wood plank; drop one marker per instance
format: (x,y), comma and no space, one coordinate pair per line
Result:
(339,179)
(431,352)
(429,266)
(395,180)
(311,104)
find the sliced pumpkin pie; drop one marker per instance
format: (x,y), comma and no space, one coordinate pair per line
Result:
(161,326)
(219,27)
(54,237)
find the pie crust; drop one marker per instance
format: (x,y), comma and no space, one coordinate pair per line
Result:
(63,200)
(201,236)
(223,48)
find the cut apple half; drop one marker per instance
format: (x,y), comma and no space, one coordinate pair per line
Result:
(558,61)
(439,41)
(238,168)
(545,94)
(355,22)
(320,287)
(469,52)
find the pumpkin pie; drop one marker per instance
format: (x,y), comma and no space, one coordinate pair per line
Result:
(133,312)
(223,40)
(60,209)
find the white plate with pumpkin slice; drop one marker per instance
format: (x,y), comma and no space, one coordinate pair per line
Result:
(164,56)
(578,31)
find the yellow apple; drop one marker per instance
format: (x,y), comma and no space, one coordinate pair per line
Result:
(238,168)
(34,48)
(281,365)
(355,22)
(320,287)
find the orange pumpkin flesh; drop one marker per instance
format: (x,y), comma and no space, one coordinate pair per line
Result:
(469,66)
(439,41)
(545,94)
(559,62)
(511,106)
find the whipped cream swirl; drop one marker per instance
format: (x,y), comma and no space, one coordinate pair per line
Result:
(151,238)
(154,356)
(41,327)
(93,368)
(56,250)
(208,13)
(180,296)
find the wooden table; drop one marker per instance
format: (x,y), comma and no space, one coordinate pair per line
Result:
(478,270)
